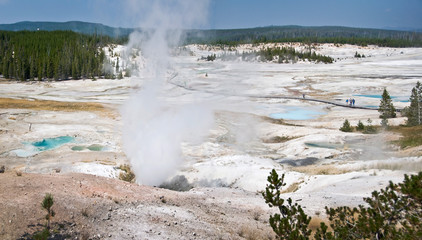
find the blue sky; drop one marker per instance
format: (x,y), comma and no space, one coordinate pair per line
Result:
(230,13)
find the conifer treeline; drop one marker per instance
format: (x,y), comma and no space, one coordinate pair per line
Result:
(287,54)
(282,34)
(51,55)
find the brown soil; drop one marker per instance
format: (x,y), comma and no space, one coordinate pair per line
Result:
(91,207)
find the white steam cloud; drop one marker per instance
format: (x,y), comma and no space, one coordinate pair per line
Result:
(153,128)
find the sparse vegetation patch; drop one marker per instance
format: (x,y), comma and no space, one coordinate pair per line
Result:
(127,174)
(391,213)
(411,136)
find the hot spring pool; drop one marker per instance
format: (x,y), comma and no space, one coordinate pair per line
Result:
(325,145)
(51,143)
(297,113)
(93,147)
(33,148)
(394,98)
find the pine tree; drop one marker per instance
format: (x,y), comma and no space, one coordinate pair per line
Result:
(47,203)
(360,126)
(386,107)
(391,213)
(292,222)
(414,111)
(346,126)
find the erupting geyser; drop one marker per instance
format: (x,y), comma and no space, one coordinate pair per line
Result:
(154,128)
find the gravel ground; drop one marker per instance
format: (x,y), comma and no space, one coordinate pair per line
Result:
(91,207)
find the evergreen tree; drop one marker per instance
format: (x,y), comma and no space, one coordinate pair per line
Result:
(369,128)
(386,107)
(47,203)
(292,222)
(346,126)
(59,54)
(360,126)
(391,213)
(414,111)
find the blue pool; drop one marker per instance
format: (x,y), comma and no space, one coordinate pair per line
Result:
(33,148)
(297,113)
(51,143)
(394,98)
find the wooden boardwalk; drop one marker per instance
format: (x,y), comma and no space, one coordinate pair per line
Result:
(274,97)
(319,100)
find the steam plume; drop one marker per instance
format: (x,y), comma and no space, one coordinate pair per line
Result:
(154,128)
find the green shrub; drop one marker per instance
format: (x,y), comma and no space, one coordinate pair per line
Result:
(293,222)
(360,126)
(47,203)
(126,174)
(346,126)
(393,213)
(43,235)
(369,129)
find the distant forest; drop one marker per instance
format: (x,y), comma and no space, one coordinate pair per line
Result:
(279,34)
(73,50)
(51,55)
(327,34)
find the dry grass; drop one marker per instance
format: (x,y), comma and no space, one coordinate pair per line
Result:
(126,174)
(403,165)
(316,223)
(11,103)
(292,187)
(277,139)
(253,233)
(411,136)
(320,170)
(278,121)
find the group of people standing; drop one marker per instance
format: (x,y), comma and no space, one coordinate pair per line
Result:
(350,101)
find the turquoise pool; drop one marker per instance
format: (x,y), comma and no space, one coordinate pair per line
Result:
(33,148)
(394,98)
(51,143)
(297,113)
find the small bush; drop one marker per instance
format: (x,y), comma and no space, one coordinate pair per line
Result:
(360,126)
(85,212)
(346,126)
(126,174)
(46,204)
(369,129)
(211,57)
(43,235)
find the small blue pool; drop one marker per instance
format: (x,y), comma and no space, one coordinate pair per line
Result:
(394,98)
(33,148)
(297,113)
(51,143)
